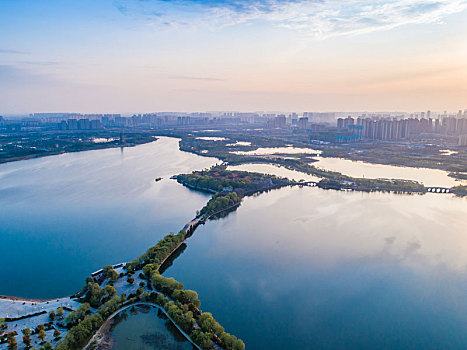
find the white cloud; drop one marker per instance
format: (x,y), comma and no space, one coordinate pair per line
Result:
(316,18)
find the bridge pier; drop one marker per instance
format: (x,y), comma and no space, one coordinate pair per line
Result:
(438,190)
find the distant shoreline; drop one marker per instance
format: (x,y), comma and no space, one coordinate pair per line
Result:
(131,139)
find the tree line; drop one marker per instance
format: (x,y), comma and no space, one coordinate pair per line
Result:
(86,323)
(184,305)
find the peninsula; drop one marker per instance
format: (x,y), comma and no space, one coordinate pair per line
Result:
(70,323)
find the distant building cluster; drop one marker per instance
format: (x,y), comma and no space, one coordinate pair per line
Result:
(311,126)
(76,121)
(393,129)
(279,121)
(80,124)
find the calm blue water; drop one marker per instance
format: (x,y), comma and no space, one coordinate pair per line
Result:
(290,269)
(63,217)
(145,328)
(314,269)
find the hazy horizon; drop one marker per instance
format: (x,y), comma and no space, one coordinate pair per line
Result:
(124,56)
(434,114)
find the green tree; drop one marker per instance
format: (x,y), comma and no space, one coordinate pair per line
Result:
(41,334)
(56,333)
(94,294)
(238,345)
(112,275)
(27,337)
(206,322)
(79,314)
(130,280)
(12,344)
(60,312)
(227,339)
(167,285)
(147,269)
(47,346)
(202,339)
(110,291)
(106,269)
(52,315)
(192,297)
(231,342)
(186,297)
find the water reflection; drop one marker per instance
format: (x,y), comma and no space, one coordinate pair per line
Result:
(211,138)
(447,152)
(279,150)
(144,327)
(429,177)
(274,170)
(313,269)
(65,216)
(328,227)
(239,143)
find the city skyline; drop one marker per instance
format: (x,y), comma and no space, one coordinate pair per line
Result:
(128,56)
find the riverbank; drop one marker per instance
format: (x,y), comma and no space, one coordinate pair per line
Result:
(24,146)
(106,291)
(96,299)
(185,312)
(409,154)
(328,179)
(118,167)
(228,187)
(232,154)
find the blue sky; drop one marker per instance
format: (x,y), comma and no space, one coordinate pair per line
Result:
(186,55)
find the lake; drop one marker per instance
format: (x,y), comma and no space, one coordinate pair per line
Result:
(273,169)
(146,328)
(295,268)
(428,177)
(306,268)
(65,216)
(358,169)
(278,150)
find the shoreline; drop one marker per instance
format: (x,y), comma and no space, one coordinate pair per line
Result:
(90,147)
(20,300)
(23,299)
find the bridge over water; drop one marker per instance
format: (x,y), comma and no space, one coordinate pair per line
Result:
(438,189)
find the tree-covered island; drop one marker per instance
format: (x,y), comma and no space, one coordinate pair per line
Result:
(303,162)
(229,187)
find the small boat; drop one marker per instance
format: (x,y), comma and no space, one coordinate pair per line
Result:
(158,179)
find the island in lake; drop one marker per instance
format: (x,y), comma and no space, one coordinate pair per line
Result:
(113,293)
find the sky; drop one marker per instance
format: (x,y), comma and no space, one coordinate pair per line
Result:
(141,56)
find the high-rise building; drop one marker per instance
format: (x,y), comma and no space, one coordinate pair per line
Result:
(95,124)
(84,124)
(72,124)
(463,140)
(303,123)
